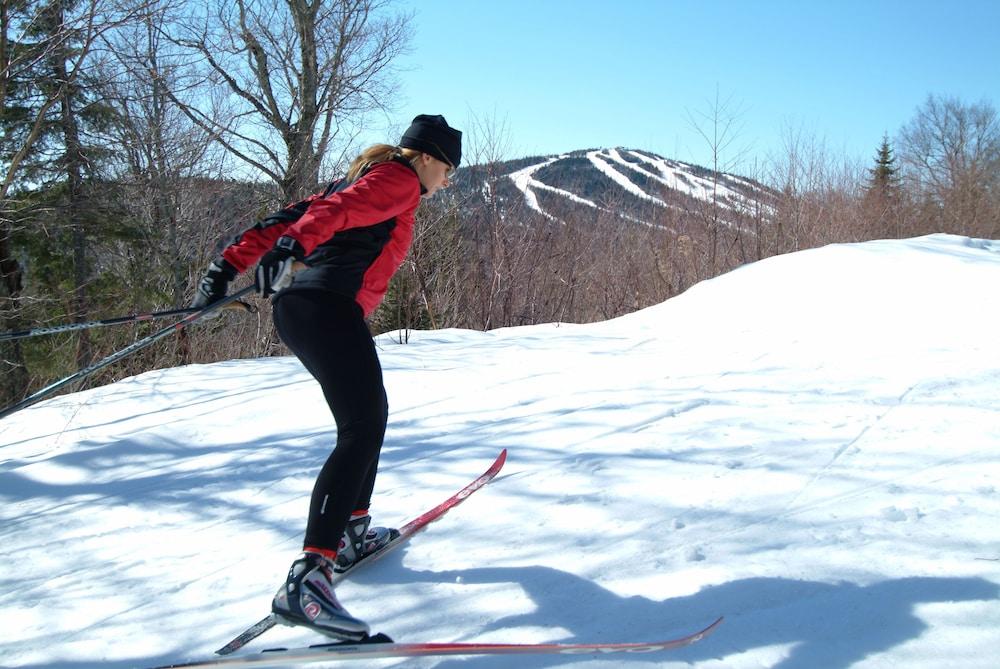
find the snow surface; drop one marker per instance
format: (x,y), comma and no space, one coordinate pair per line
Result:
(680,177)
(599,159)
(809,445)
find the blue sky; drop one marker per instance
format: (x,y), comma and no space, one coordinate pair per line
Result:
(561,75)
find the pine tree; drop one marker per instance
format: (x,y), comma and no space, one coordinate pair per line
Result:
(68,178)
(21,106)
(885,174)
(883,196)
(53,200)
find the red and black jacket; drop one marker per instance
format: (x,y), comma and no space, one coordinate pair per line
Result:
(355,234)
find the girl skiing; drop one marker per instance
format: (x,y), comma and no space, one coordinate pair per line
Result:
(352,238)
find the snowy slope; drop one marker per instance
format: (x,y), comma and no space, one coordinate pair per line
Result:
(646,177)
(809,445)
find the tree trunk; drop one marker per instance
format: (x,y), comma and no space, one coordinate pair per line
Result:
(73,162)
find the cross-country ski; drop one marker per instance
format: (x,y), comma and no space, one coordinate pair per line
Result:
(382,648)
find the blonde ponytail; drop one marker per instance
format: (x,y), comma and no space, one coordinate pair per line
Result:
(378,153)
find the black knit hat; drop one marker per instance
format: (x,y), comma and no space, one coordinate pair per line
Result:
(432,135)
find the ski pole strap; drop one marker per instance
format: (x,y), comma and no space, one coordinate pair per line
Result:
(128,350)
(134,318)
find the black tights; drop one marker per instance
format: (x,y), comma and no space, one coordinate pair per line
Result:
(329,335)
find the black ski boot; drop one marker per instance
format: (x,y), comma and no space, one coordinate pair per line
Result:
(307,599)
(360,541)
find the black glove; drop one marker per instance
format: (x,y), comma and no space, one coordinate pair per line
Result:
(214,285)
(274,271)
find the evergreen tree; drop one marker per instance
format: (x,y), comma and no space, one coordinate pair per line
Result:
(882,199)
(68,172)
(885,174)
(52,199)
(21,107)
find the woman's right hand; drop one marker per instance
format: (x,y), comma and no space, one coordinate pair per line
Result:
(215,284)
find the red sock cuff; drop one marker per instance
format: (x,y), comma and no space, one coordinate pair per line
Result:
(325,552)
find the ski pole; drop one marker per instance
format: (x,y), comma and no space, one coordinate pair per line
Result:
(128,350)
(135,318)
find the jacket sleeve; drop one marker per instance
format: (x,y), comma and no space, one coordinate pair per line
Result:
(386,191)
(248,247)
(251,244)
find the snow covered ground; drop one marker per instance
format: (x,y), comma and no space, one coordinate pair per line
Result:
(809,445)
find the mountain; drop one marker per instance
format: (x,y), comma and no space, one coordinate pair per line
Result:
(627,184)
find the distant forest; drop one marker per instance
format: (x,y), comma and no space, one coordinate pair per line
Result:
(137,138)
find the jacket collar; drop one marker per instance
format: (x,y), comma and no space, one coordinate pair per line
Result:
(403,161)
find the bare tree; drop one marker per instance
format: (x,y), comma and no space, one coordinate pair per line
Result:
(719,125)
(502,231)
(951,157)
(293,78)
(162,153)
(434,263)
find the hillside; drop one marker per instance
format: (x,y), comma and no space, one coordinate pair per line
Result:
(808,445)
(632,185)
